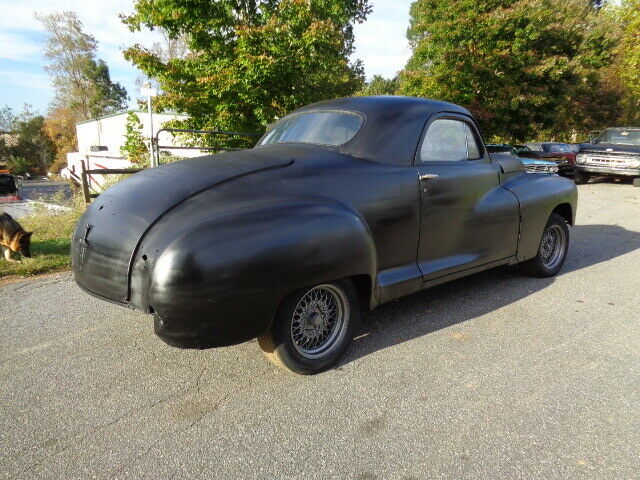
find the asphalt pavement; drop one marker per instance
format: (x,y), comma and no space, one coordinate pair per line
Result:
(45,190)
(496,376)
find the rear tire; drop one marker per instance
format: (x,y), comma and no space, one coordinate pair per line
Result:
(636,182)
(581,177)
(313,328)
(552,251)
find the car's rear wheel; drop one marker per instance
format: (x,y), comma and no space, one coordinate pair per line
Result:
(313,328)
(552,251)
(636,182)
(581,177)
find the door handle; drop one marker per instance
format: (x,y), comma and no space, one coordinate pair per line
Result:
(427,176)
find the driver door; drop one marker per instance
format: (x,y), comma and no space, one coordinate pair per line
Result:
(467,218)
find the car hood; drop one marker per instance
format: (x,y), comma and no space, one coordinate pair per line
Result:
(108,234)
(535,161)
(609,148)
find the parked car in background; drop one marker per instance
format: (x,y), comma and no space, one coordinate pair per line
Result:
(559,153)
(537,165)
(531,165)
(614,153)
(342,205)
(8,187)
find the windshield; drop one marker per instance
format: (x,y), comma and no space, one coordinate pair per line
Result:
(619,136)
(319,128)
(518,149)
(557,148)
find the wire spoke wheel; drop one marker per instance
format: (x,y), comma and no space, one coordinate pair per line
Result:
(313,327)
(552,247)
(319,321)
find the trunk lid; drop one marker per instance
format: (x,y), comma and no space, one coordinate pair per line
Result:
(108,234)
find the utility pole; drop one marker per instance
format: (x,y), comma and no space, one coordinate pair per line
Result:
(149,91)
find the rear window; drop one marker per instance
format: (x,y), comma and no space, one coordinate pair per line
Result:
(319,128)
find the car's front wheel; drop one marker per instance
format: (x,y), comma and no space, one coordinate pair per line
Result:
(552,251)
(313,328)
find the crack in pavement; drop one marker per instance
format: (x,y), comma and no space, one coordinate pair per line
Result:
(193,423)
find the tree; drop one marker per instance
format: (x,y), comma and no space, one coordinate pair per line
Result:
(104,96)
(25,143)
(250,62)
(19,165)
(523,67)
(166,50)
(6,126)
(381,86)
(629,50)
(60,127)
(6,118)
(33,150)
(82,83)
(135,149)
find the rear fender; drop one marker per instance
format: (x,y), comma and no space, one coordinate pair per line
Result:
(235,269)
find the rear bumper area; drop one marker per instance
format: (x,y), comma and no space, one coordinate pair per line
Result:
(191,333)
(106,299)
(185,332)
(596,169)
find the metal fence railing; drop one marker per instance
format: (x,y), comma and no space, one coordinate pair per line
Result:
(85,177)
(217,134)
(227,142)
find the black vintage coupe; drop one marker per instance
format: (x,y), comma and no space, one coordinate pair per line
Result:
(341,206)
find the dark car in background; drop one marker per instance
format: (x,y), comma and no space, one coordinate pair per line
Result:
(614,153)
(8,185)
(561,154)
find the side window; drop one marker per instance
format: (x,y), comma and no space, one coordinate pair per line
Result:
(445,140)
(449,140)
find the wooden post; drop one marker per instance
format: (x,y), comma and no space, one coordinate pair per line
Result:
(85,184)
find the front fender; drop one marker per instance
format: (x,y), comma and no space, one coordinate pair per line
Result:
(539,195)
(227,275)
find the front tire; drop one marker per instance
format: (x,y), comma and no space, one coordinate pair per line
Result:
(552,251)
(313,328)
(580,177)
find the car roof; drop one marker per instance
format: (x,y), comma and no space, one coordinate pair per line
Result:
(392,127)
(371,104)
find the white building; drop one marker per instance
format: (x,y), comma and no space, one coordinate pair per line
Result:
(100,140)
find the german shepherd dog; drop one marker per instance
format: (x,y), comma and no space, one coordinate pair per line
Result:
(13,238)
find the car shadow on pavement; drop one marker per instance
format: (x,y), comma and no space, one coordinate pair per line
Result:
(460,300)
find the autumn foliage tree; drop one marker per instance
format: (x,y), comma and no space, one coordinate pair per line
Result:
(60,127)
(525,68)
(249,62)
(628,55)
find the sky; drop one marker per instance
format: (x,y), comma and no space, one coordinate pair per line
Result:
(380,43)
